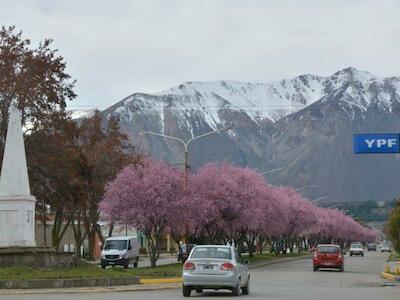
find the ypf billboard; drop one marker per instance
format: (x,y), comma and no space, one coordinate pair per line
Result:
(376,143)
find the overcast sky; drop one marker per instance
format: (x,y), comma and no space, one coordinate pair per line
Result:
(116,48)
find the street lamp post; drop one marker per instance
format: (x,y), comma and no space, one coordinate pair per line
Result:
(186,153)
(186,143)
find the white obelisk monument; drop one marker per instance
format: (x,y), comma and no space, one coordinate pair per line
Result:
(17,205)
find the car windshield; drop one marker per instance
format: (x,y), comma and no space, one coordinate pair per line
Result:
(115,245)
(328,249)
(356,246)
(211,252)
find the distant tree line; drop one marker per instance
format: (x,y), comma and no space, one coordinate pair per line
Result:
(220,204)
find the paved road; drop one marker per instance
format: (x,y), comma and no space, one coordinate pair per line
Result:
(289,280)
(163,260)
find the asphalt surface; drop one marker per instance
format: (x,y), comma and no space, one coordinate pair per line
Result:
(286,280)
(163,260)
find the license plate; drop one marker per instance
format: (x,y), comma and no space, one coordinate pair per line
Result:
(207,268)
(112,263)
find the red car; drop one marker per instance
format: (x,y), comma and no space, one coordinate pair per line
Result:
(328,256)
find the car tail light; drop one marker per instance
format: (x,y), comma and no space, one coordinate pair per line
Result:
(227,267)
(189,266)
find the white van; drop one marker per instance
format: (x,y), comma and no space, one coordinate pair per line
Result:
(120,250)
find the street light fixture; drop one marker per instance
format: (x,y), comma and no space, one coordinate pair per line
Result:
(272,171)
(306,187)
(186,143)
(319,199)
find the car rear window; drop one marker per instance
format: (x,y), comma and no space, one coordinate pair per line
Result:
(328,249)
(211,252)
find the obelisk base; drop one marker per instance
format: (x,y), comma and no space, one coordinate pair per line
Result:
(17,215)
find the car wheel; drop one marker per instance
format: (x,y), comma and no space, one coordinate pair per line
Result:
(136,262)
(362,254)
(315,268)
(351,254)
(186,291)
(236,289)
(103,266)
(341,268)
(126,265)
(246,289)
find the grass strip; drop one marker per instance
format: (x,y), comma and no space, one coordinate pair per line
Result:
(90,271)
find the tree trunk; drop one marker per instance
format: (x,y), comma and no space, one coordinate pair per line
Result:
(78,236)
(250,244)
(58,230)
(110,231)
(92,242)
(153,243)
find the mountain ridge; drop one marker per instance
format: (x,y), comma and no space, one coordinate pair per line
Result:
(304,124)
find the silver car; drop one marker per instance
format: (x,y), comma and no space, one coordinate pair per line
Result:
(215,267)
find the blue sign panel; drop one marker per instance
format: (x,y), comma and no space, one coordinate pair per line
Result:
(376,143)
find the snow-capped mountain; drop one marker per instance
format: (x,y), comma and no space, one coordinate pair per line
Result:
(285,123)
(259,101)
(80,113)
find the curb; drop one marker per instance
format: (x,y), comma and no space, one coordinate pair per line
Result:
(390,277)
(161,280)
(109,289)
(57,283)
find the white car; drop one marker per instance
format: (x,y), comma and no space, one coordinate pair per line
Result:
(356,249)
(385,248)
